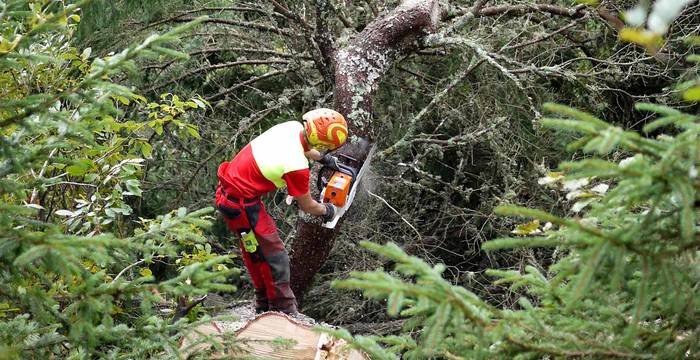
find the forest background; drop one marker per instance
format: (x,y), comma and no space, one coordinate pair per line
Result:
(105,149)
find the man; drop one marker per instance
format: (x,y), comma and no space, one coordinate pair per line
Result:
(277,158)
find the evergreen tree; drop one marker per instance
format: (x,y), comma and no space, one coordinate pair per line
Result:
(625,280)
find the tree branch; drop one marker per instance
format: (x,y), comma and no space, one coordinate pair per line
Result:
(205,9)
(219,66)
(234,49)
(245,83)
(246,24)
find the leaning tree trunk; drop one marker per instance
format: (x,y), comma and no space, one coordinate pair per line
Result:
(359,67)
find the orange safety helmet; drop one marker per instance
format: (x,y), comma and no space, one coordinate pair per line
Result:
(325,129)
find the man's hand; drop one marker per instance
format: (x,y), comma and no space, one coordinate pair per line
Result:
(330,212)
(290,200)
(329,161)
(309,205)
(325,211)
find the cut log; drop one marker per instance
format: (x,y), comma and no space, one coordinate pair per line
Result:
(257,336)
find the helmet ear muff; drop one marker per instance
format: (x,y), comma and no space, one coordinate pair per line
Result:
(306,138)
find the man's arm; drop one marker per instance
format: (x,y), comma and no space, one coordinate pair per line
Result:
(310,206)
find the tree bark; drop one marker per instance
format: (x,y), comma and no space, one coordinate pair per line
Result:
(359,68)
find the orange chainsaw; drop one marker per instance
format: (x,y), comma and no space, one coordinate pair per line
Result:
(339,189)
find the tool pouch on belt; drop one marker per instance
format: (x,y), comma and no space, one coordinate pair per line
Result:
(250,243)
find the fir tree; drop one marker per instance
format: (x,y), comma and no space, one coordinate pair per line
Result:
(625,282)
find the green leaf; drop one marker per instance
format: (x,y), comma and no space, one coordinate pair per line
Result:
(529,213)
(527,228)
(199,103)
(576,114)
(512,243)
(437,329)
(145,272)
(171,53)
(693,58)
(650,40)
(662,122)
(75,170)
(91,178)
(133,187)
(686,194)
(146,149)
(192,130)
(692,94)
(659,109)
(605,142)
(66,213)
(583,279)
(122,99)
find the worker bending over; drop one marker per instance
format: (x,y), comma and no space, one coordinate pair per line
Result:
(277,158)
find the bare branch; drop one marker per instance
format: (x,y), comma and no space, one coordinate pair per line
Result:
(541,38)
(207,9)
(283,9)
(436,99)
(246,24)
(219,66)
(517,10)
(235,49)
(242,127)
(397,213)
(246,83)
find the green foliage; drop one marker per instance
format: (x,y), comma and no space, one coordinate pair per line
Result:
(72,144)
(625,283)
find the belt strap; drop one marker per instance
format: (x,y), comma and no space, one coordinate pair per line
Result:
(239,200)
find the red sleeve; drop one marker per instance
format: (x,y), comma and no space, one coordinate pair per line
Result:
(297,182)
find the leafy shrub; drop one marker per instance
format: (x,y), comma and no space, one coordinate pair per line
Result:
(73,264)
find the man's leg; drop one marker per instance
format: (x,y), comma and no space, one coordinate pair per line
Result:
(237,222)
(258,278)
(276,258)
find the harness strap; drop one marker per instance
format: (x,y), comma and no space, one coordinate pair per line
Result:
(238,200)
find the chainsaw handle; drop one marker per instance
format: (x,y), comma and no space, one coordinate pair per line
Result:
(321,181)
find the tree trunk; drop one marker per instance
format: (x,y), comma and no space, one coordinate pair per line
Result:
(359,68)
